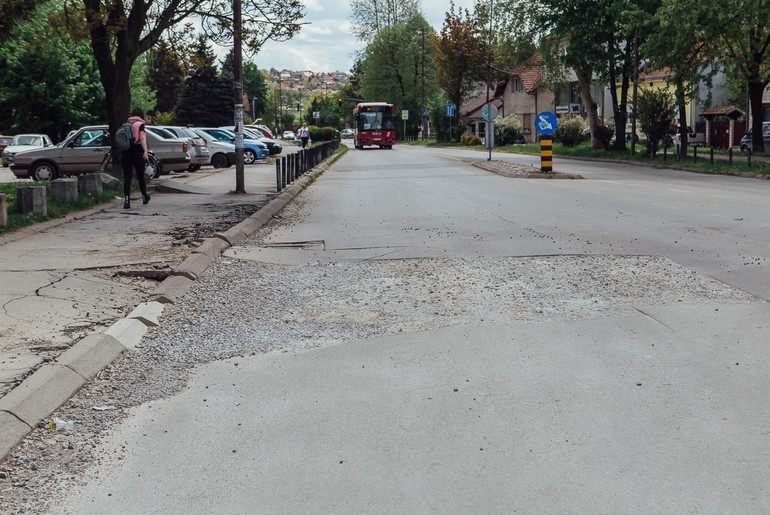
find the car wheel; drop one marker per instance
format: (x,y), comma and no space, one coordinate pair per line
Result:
(44,171)
(193,168)
(744,148)
(219,161)
(249,156)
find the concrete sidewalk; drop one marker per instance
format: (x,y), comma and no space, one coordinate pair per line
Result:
(78,292)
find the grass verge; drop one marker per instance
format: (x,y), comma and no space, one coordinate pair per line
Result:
(17,220)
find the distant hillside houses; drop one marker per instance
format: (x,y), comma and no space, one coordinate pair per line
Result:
(304,80)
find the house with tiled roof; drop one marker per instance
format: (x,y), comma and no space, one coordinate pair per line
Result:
(523,94)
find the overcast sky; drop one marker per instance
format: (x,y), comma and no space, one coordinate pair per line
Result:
(325,44)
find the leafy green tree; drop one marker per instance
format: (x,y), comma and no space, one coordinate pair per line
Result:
(207,98)
(745,30)
(460,57)
(165,76)
(121,31)
(595,38)
(392,70)
(507,128)
(49,82)
(254,87)
(513,30)
(13,12)
(369,17)
(655,110)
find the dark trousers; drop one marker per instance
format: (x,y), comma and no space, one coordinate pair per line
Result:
(132,160)
(304,142)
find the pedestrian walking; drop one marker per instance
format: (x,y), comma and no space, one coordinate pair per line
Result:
(135,158)
(304,135)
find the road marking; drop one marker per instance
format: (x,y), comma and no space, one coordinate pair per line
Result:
(675,189)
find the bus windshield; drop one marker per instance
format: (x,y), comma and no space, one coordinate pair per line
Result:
(375,120)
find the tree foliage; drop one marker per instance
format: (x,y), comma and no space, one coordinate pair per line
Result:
(207,98)
(513,30)
(369,17)
(655,111)
(392,70)
(165,77)
(460,56)
(122,30)
(49,81)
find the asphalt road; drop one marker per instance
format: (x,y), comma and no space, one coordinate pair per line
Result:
(538,346)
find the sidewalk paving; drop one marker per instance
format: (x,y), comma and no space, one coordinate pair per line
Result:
(76,293)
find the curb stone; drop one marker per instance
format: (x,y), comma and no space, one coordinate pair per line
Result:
(52,385)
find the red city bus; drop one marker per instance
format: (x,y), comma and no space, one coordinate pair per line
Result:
(374,125)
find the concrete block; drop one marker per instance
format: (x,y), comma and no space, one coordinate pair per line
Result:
(127,331)
(90,184)
(172,289)
(195,264)
(31,199)
(3,211)
(64,189)
(212,247)
(233,235)
(12,431)
(41,393)
(251,225)
(148,313)
(91,354)
(110,182)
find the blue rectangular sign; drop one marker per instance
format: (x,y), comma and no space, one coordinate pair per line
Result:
(450,109)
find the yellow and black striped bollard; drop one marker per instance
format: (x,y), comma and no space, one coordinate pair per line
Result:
(546,155)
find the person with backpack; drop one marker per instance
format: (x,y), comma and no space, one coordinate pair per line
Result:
(134,157)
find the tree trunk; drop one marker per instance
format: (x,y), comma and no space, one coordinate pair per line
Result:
(756,90)
(681,101)
(584,81)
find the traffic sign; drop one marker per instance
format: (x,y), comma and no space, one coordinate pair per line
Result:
(424,112)
(450,109)
(545,122)
(489,112)
(404,114)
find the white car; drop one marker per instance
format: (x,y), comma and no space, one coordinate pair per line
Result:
(221,153)
(289,135)
(22,142)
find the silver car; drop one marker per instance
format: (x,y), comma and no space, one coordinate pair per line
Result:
(22,142)
(222,153)
(85,150)
(199,154)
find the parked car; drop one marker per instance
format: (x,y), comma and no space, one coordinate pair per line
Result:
(199,150)
(85,151)
(252,150)
(346,133)
(4,142)
(22,142)
(263,129)
(747,139)
(221,153)
(289,135)
(173,153)
(273,147)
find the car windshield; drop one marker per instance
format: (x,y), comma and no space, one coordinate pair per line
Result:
(219,134)
(91,138)
(26,139)
(163,133)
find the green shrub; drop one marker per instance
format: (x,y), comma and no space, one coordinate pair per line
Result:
(570,131)
(604,134)
(506,129)
(470,140)
(315,133)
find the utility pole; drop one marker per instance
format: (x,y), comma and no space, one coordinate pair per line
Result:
(238,93)
(422,103)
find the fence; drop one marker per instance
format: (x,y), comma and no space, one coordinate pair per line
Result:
(291,167)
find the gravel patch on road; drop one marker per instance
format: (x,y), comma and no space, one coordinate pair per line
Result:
(243,308)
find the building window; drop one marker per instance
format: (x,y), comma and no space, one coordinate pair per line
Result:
(517,86)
